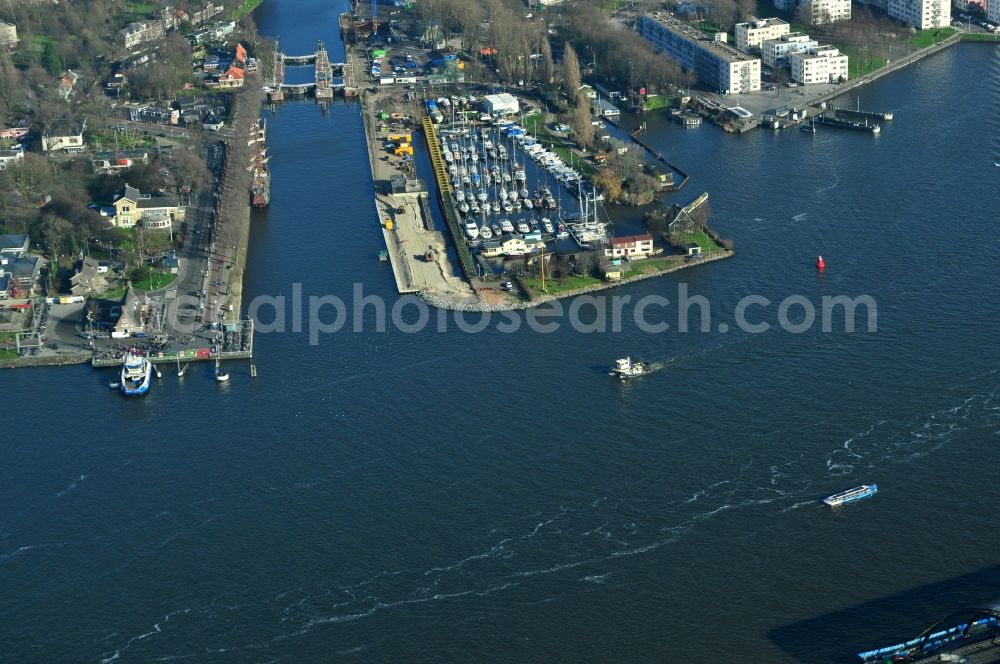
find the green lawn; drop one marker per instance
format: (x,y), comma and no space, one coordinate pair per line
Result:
(113,295)
(701,238)
(925,38)
(146,278)
(244,9)
(8,354)
(553,287)
(656,103)
(125,141)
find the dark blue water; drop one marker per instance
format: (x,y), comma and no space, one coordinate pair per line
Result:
(496,497)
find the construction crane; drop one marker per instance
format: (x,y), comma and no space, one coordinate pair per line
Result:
(374,17)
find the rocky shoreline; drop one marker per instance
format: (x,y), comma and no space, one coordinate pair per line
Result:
(444,303)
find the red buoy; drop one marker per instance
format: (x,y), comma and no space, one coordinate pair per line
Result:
(820,264)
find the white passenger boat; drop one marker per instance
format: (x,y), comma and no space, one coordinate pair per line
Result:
(851,495)
(506,226)
(522,227)
(485,232)
(626,368)
(547,225)
(135,374)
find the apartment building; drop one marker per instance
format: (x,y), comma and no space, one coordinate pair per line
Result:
(750,35)
(822,64)
(718,65)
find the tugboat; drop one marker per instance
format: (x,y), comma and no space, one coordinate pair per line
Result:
(136,372)
(851,495)
(626,368)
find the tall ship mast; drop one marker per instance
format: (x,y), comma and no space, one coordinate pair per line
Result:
(260,174)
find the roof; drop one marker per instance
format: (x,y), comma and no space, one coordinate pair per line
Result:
(233,73)
(130,194)
(698,38)
(156,202)
(13,242)
(632,239)
(691,245)
(65,127)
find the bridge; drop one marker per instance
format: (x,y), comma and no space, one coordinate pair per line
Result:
(323,85)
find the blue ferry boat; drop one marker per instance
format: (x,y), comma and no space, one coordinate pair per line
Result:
(136,372)
(851,495)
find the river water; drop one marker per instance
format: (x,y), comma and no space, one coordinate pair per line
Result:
(406,497)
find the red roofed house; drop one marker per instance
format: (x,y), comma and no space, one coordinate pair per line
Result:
(232,78)
(241,56)
(632,246)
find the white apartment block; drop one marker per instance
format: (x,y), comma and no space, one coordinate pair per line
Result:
(993,10)
(774,52)
(828,11)
(922,14)
(823,64)
(750,35)
(717,64)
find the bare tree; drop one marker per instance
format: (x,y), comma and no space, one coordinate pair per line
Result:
(582,124)
(571,73)
(547,66)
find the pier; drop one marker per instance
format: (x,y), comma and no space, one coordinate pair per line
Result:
(858,115)
(444,193)
(660,158)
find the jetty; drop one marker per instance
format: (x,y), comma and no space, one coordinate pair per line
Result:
(660,158)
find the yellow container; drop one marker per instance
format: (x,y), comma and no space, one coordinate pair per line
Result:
(400,138)
(388,224)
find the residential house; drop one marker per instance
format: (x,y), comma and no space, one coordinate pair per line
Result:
(116,161)
(151,113)
(631,246)
(65,134)
(210,11)
(141,32)
(606,109)
(89,278)
(212,122)
(232,78)
(9,158)
(14,133)
(133,207)
(130,319)
(8,35)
